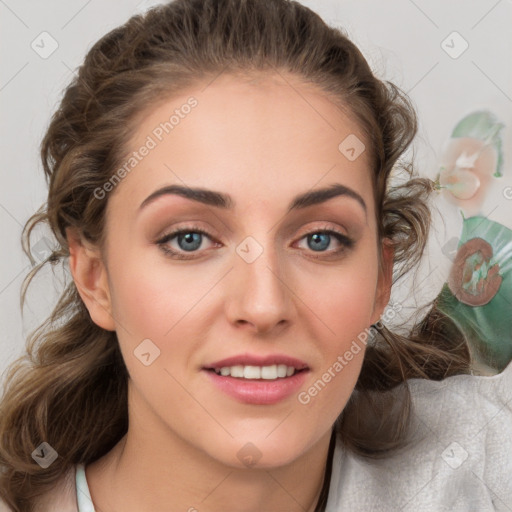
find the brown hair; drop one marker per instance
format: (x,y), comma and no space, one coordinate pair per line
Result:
(70,388)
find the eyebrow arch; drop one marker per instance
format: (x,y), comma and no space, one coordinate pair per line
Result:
(220,200)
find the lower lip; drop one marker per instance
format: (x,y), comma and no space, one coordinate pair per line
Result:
(258,392)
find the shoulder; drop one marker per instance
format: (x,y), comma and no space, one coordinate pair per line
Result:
(459,455)
(447,403)
(62,497)
(466,426)
(473,414)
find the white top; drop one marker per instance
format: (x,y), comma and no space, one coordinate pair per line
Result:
(83,496)
(460,460)
(462,463)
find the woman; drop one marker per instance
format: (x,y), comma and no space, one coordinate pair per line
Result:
(219,186)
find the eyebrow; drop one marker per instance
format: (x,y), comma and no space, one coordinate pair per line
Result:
(221,200)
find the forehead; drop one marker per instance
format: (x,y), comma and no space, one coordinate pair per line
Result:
(250,136)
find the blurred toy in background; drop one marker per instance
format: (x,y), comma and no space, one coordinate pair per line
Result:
(478,292)
(472,156)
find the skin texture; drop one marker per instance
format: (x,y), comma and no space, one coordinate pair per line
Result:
(262,143)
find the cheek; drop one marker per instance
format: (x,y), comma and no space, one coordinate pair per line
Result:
(151,314)
(343,332)
(346,313)
(150,299)
(160,302)
(342,305)
(343,298)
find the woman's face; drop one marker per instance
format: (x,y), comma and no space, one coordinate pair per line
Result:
(256,289)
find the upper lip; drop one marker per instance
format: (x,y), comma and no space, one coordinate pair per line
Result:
(255,360)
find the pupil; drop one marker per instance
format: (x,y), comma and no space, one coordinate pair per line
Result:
(190,238)
(316,238)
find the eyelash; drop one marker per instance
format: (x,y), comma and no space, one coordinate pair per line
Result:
(346,242)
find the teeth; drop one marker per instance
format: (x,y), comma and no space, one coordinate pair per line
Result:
(236,371)
(282,370)
(252,372)
(257,372)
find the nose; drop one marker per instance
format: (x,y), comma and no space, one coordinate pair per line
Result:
(259,296)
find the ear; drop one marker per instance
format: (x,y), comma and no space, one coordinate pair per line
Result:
(90,277)
(383,292)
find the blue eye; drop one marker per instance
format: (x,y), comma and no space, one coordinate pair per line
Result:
(319,240)
(189,240)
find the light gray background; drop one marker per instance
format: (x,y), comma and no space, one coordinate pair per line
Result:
(402,39)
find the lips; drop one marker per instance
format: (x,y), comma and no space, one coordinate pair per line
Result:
(256,360)
(257,392)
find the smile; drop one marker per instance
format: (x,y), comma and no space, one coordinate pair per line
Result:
(255,389)
(257,372)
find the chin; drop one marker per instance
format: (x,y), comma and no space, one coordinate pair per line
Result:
(263,452)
